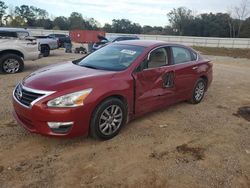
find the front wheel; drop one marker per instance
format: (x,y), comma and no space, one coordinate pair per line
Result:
(11,63)
(199,91)
(108,119)
(45,50)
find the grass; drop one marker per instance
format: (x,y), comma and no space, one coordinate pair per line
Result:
(230,52)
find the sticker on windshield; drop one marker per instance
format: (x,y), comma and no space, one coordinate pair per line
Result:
(129,52)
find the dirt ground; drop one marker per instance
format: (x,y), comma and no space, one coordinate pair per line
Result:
(230,52)
(205,145)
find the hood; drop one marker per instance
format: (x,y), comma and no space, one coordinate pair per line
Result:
(64,76)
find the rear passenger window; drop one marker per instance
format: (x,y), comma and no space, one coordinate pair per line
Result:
(181,55)
(158,58)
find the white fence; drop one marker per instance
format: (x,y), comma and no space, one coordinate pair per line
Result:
(189,41)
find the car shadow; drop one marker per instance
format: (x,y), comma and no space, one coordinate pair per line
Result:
(154,114)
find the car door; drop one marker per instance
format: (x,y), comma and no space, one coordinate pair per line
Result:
(154,82)
(185,68)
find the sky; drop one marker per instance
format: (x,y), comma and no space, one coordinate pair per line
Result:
(145,12)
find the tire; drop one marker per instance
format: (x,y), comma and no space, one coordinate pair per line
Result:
(108,119)
(45,50)
(11,63)
(199,91)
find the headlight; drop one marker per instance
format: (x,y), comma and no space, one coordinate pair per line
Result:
(70,100)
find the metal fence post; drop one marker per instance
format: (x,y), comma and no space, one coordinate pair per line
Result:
(218,44)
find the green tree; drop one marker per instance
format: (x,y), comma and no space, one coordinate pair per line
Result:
(26,13)
(17,21)
(179,18)
(92,24)
(241,12)
(108,28)
(245,30)
(44,22)
(214,25)
(168,30)
(156,30)
(125,26)
(147,29)
(61,22)
(39,13)
(3,8)
(76,21)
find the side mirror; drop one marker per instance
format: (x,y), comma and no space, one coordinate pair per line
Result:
(143,66)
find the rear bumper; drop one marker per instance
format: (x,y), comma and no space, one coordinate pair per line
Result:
(36,119)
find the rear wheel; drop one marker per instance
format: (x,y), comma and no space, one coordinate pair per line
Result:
(199,91)
(108,119)
(11,63)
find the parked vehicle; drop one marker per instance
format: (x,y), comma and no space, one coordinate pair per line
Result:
(62,39)
(46,43)
(14,50)
(104,41)
(98,94)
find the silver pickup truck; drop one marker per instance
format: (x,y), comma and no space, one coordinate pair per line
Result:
(14,50)
(47,44)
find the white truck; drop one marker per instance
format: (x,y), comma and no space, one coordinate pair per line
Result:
(47,44)
(14,50)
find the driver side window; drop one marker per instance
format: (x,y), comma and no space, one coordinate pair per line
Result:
(158,58)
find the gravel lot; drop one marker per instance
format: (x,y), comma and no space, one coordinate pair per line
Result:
(205,145)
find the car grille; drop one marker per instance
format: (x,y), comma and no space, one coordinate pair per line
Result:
(24,96)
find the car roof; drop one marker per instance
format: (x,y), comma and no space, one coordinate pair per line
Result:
(147,43)
(153,44)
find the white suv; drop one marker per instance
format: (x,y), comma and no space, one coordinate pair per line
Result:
(14,50)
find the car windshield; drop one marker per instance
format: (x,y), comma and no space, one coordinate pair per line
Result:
(116,57)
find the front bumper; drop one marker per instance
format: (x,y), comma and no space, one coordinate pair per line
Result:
(36,118)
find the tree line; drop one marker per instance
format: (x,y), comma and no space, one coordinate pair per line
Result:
(183,22)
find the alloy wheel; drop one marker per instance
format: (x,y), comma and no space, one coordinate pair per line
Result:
(110,120)
(199,91)
(11,66)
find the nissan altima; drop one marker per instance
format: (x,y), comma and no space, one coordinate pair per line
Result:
(100,93)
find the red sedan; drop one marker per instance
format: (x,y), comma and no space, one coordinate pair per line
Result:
(101,92)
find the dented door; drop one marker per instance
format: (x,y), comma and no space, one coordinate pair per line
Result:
(152,91)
